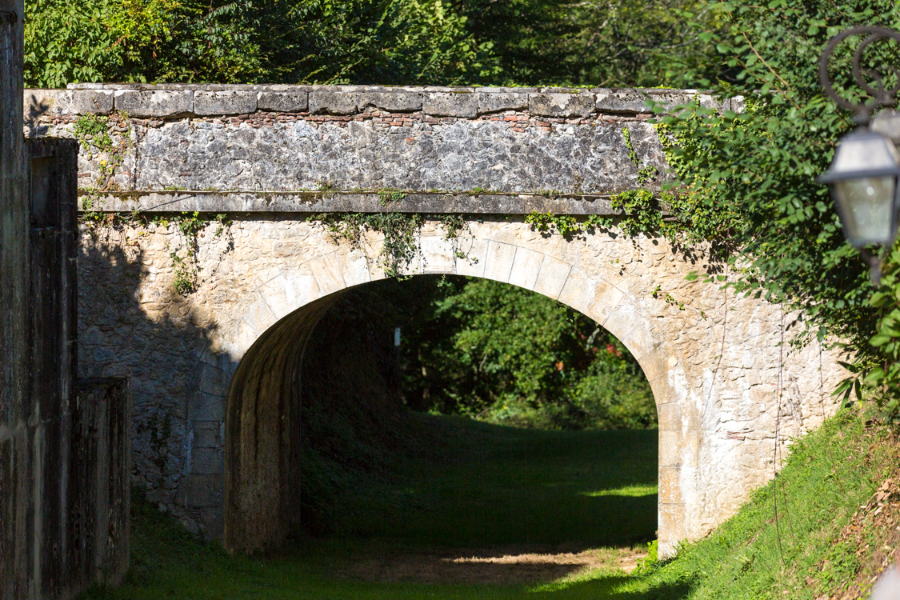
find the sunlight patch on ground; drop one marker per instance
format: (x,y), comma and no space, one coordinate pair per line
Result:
(632,491)
(503,566)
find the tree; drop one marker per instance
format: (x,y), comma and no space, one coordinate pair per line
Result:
(748,180)
(502,353)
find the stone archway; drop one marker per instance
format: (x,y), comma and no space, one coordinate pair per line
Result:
(268,156)
(713,449)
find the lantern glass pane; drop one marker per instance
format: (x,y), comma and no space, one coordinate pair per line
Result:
(867,207)
(860,152)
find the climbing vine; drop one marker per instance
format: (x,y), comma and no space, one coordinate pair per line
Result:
(186,266)
(400,230)
(646,173)
(93,133)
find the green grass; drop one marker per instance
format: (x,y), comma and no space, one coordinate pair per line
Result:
(501,486)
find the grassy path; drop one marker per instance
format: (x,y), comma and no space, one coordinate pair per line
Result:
(525,515)
(494,512)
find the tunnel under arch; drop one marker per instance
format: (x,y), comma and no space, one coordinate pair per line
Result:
(262,411)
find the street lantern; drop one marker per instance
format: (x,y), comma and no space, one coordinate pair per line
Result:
(865,172)
(863,181)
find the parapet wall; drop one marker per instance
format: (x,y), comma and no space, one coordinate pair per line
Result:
(330,148)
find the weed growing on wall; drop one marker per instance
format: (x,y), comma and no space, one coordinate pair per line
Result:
(400,230)
(187,267)
(96,136)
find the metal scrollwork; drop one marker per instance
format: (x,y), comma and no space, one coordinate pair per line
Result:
(881,95)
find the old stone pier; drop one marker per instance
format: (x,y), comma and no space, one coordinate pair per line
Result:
(215,371)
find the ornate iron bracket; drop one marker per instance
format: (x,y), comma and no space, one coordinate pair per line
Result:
(880,95)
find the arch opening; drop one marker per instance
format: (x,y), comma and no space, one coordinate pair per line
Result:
(263,418)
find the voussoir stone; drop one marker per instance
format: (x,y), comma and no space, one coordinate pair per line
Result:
(561,105)
(283,101)
(451,104)
(333,103)
(224,102)
(156,103)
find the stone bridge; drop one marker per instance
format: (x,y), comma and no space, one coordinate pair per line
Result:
(216,372)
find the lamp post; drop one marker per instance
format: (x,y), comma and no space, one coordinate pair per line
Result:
(865,171)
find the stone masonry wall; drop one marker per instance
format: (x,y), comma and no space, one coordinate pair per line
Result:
(270,155)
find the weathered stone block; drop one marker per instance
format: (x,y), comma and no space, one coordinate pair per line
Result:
(47,103)
(327,271)
(472,264)
(224,103)
(260,317)
(669,416)
(561,105)
(437,254)
(672,527)
(602,301)
(92,102)
(670,443)
(552,277)
(499,261)
(392,101)
(283,101)
(206,407)
(497,102)
(209,434)
(333,103)
(669,486)
(355,269)
(577,289)
(623,320)
(642,339)
(621,101)
(154,103)
(451,104)
(214,381)
(207,461)
(526,267)
(657,362)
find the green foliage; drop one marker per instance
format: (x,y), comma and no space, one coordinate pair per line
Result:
(400,42)
(647,173)
(508,355)
(93,134)
(140,40)
(878,368)
(565,225)
(747,180)
(616,43)
(647,563)
(311,41)
(400,230)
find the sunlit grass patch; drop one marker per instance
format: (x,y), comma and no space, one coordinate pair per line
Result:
(632,491)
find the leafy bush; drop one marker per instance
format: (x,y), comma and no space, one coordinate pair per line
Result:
(400,42)
(748,181)
(139,41)
(311,41)
(508,355)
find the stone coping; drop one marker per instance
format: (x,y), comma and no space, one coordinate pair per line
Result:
(182,100)
(167,201)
